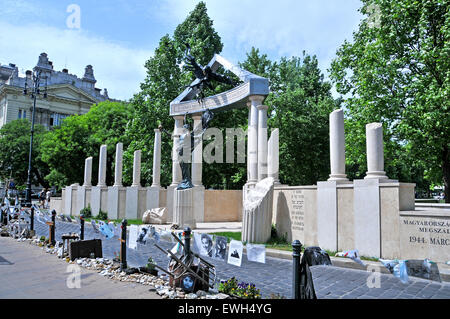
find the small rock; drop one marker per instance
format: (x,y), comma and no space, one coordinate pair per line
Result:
(201,293)
(191,296)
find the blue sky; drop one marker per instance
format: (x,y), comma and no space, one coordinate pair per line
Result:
(118,36)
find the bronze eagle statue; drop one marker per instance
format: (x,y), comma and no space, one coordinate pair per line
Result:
(204,74)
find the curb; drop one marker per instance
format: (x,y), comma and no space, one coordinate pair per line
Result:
(444,270)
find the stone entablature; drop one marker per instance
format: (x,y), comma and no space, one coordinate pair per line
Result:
(234,98)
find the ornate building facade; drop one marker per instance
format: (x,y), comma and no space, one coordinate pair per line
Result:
(66,94)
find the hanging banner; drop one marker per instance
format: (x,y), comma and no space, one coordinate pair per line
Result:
(256,253)
(220,248)
(235,253)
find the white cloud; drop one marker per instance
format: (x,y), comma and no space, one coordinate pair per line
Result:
(279,28)
(116,67)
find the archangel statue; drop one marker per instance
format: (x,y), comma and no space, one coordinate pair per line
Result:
(193,137)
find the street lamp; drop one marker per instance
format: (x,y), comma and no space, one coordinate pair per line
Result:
(35,78)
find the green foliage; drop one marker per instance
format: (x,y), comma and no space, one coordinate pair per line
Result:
(14,152)
(102,215)
(164,82)
(299,105)
(81,136)
(150,263)
(241,290)
(397,72)
(86,211)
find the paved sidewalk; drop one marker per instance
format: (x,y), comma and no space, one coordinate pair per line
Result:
(273,277)
(26,271)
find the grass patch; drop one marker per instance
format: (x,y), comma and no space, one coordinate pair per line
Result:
(281,244)
(229,235)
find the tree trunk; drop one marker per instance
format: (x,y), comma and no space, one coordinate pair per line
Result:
(446,173)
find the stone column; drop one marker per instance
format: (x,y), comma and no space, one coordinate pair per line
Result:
(88,172)
(119,164)
(375,152)
(176,169)
(137,169)
(157,159)
(273,156)
(249,106)
(262,142)
(102,167)
(197,154)
(337,146)
(255,101)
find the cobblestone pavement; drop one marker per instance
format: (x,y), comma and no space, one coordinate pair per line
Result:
(275,276)
(27,272)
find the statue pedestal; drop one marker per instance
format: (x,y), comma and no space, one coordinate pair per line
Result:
(183,208)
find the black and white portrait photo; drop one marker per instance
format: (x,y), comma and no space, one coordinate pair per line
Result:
(220,248)
(204,244)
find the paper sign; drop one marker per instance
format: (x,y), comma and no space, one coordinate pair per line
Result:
(133,236)
(256,253)
(235,253)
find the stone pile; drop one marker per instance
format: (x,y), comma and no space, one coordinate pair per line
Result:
(111,269)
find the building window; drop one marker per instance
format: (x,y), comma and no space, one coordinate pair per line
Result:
(22,114)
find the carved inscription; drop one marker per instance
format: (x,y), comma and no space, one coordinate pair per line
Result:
(431,231)
(298,210)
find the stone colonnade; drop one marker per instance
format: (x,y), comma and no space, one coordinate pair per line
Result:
(365,193)
(118,201)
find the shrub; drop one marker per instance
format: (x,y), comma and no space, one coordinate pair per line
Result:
(87,212)
(102,215)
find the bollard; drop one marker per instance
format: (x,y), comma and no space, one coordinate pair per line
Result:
(123,246)
(296,253)
(82,227)
(187,241)
(52,228)
(32,219)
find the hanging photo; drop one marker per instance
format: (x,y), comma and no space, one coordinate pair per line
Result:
(256,253)
(133,236)
(94,225)
(143,233)
(204,244)
(166,235)
(220,248)
(235,253)
(118,231)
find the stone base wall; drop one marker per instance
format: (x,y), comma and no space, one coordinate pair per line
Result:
(223,206)
(218,205)
(377,218)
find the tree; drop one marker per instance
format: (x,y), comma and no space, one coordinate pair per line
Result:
(14,152)
(80,136)
(299,105)
(396,72)
(165,80)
